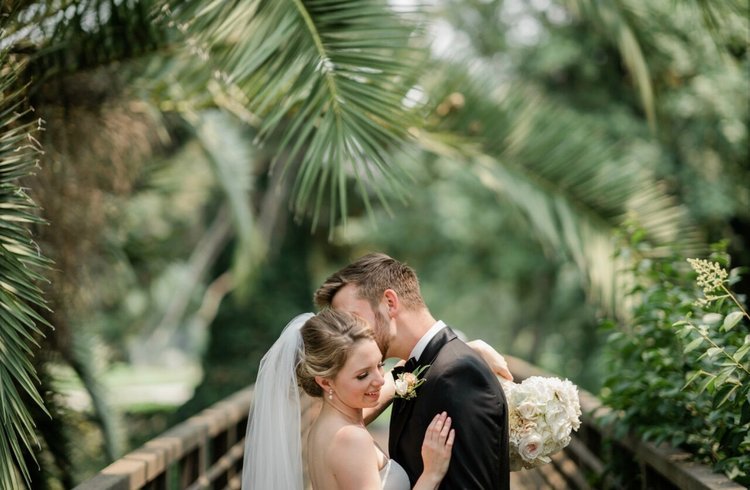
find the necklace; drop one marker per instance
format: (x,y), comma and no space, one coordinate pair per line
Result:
(346,416)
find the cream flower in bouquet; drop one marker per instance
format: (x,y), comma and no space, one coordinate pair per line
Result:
(542,412)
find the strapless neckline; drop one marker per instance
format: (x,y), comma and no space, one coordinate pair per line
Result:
(394,477)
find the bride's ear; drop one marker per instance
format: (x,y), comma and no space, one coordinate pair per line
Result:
(324,383)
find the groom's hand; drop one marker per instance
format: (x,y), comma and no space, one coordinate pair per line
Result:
(492,357)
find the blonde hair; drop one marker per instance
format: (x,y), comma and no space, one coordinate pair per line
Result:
(373,274)
(328,338)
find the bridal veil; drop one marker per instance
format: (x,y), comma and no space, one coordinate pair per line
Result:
(273,443)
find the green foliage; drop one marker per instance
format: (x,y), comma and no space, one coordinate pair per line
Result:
(245,328)
(679,368)
(20,265)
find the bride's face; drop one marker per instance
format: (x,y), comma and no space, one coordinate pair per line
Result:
(358,382)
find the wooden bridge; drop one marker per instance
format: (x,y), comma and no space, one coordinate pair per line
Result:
(206,451)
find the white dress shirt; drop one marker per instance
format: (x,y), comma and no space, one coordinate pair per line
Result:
(419,348)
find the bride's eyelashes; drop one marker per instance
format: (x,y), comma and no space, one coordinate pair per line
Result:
(364,375)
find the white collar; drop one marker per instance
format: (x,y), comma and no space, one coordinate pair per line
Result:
(418,349)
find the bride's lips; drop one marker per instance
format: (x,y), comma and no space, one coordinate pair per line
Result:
(373,393)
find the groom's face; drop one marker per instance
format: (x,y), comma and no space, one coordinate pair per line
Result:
(347,299)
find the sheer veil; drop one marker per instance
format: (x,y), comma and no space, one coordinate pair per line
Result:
(273,443)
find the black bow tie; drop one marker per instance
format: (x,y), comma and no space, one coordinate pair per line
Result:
(409,367)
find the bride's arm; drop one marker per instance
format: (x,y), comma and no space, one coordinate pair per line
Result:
(386,397)
(492,357)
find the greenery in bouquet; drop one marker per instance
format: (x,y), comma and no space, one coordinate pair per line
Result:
(679,367)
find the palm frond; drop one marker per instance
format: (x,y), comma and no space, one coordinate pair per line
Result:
(20,266)
(574,182)
(616,21)
(58,38)
(228,152)
(330,80)
(715,13)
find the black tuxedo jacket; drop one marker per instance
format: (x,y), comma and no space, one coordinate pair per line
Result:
(459,382)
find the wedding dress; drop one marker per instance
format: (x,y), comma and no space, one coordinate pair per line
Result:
(394,477)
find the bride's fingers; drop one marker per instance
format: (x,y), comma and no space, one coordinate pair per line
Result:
(438,421)
(445,429)
(449,441)
(436,426)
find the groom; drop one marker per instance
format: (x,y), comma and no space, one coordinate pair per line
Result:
(386,293)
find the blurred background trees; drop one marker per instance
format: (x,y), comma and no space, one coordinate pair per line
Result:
(200,167)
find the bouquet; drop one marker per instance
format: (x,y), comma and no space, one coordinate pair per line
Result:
(541,414)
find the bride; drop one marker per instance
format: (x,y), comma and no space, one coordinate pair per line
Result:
(333,356)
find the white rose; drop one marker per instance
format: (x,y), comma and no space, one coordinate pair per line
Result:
(402,387)
(528,410)
(531,447)
(560,429)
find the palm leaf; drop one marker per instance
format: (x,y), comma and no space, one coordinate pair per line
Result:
(330,81)
(20,263)
(59,38)
(575,183)
(230,157)
(619,23)
(716,13)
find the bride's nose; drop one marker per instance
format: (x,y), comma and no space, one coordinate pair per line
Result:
(379,379)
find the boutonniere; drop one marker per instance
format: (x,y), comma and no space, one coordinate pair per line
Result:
(407,383)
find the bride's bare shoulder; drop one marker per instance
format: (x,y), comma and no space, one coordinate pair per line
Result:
(345,458)
(350,439)
(339,436)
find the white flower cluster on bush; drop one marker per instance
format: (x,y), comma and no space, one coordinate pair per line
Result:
(542,412)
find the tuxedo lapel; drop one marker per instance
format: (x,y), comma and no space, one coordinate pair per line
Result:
(433,347)
(402,409)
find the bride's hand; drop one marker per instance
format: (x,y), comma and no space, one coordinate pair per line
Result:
(492,357)
(436,448)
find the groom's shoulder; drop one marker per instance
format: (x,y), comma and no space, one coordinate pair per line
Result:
(456,355)
(459,369)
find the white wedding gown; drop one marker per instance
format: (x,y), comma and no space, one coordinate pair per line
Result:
(394,477)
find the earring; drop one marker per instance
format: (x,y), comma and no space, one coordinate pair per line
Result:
(330,394)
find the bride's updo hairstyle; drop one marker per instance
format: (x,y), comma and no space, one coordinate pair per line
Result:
(328,339)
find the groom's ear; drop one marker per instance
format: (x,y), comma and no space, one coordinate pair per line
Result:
(391,301)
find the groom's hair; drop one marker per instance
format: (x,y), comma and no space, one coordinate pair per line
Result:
(373,274)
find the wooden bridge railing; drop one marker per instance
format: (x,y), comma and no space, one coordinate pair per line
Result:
(206,451)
